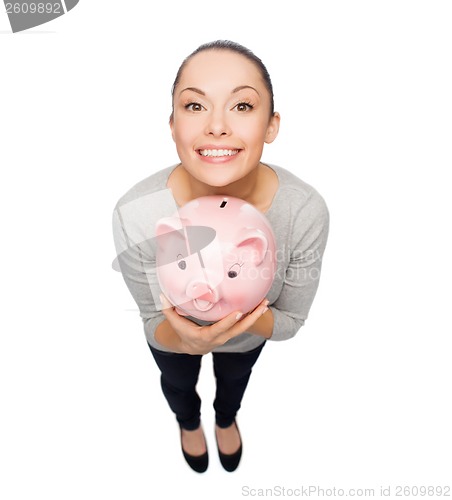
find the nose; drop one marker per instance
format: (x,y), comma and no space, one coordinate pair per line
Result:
(217,125)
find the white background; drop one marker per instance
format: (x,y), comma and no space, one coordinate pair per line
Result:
(361,397)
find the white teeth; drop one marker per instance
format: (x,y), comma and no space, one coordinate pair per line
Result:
(218,152)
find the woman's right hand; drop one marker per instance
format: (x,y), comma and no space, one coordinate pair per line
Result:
(196,339)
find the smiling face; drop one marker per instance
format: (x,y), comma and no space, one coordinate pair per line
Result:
(221,117)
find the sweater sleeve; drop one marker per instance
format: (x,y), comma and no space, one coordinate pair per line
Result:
(309,234)
(135,259)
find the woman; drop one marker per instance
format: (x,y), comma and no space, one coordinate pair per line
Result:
(223,114)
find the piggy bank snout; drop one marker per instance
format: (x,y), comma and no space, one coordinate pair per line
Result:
(203,295)
(198,289)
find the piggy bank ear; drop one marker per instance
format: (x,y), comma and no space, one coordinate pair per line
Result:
(167,225)
(171,241)
(253,245)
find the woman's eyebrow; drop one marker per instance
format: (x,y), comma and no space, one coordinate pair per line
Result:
(237,89)
(241,87)
(193,89)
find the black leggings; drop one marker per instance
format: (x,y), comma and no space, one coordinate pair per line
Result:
(180,374)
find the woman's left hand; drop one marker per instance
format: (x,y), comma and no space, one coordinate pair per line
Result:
(196,339)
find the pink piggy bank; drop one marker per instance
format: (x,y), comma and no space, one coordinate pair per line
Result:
(215,257)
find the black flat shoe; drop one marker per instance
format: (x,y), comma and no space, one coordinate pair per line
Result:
(198,463)
(231,461)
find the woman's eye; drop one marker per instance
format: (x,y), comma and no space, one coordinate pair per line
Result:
(194,106)
(244,106)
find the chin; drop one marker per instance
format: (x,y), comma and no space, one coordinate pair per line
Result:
(216,179)
(219,182)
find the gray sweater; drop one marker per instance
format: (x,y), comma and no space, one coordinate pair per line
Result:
(300,221)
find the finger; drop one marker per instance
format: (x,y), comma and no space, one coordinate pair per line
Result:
(179,323)
(263,303)
(250,319)
(237,322)
(181,312)
(165,302)
(168,309)
(225,324)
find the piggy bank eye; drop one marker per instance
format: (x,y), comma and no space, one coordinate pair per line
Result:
(181,262)
(234,271)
